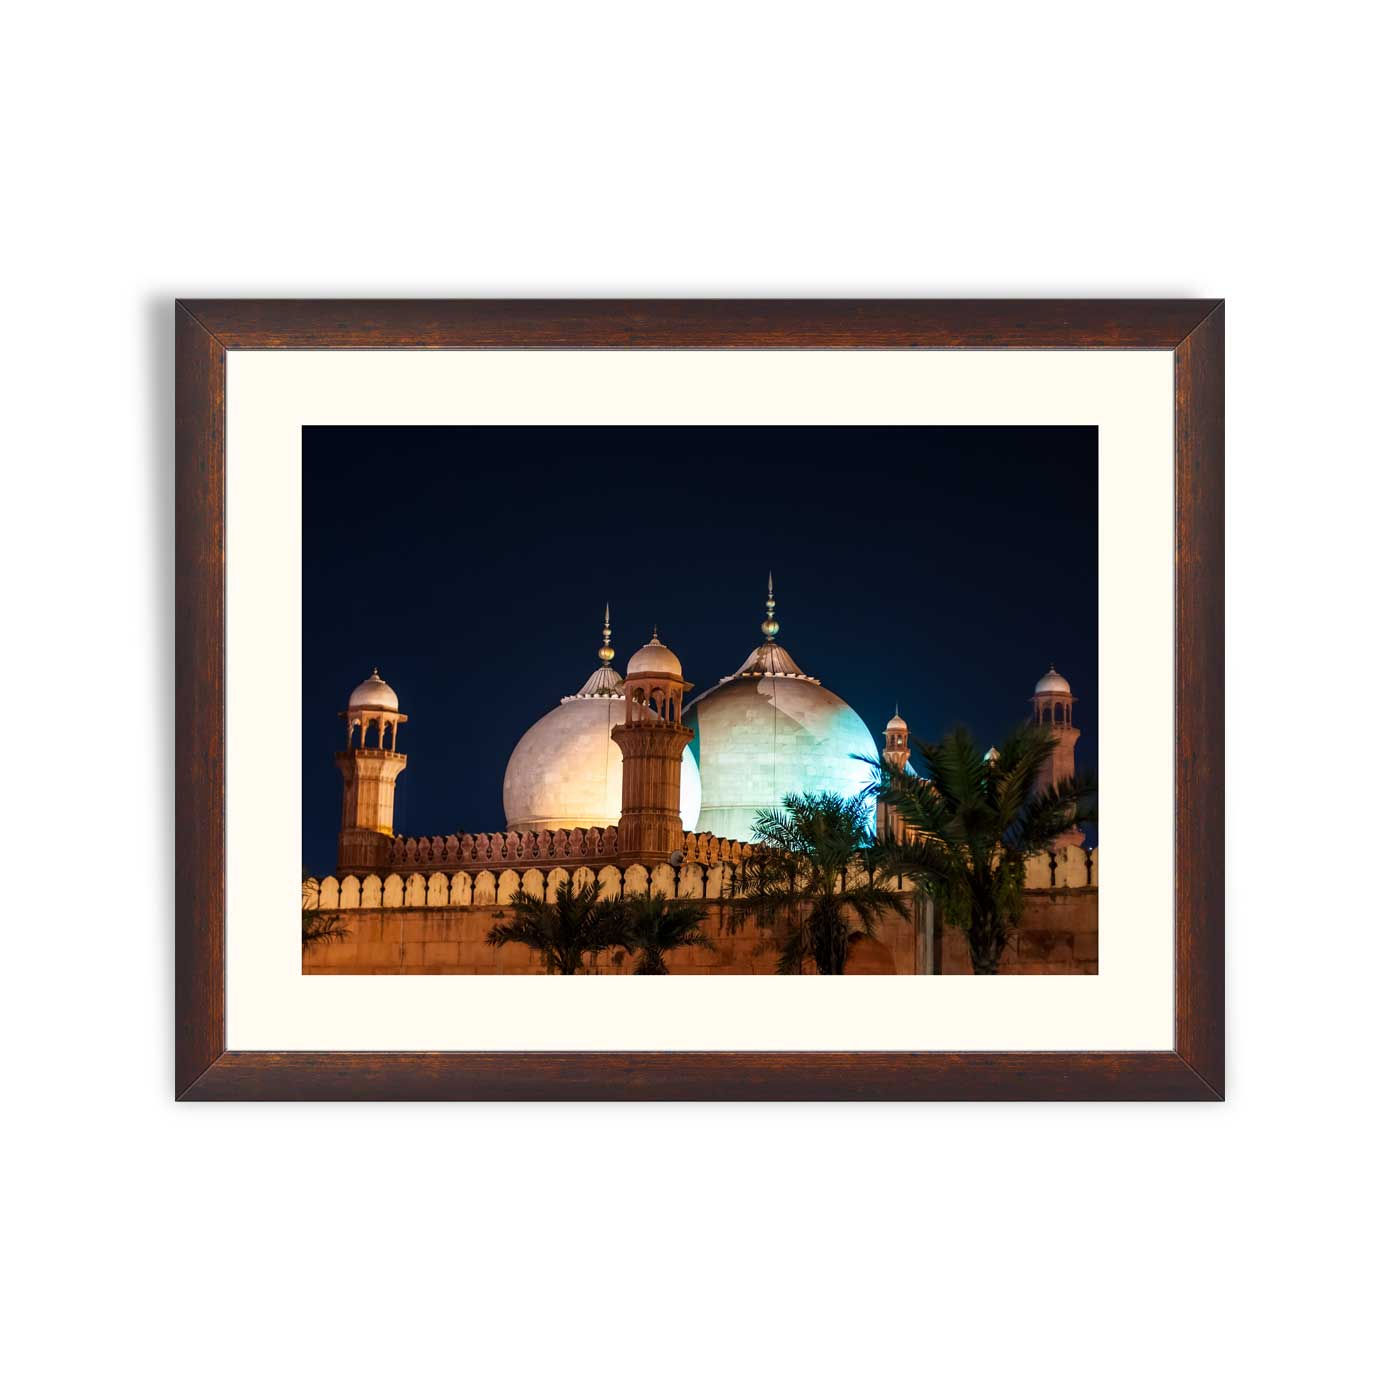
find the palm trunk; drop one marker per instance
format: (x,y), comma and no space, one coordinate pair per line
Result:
(985,940)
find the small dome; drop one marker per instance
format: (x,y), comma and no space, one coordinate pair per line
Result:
(896,723)
(656,658)
(1052,683)
(373,694)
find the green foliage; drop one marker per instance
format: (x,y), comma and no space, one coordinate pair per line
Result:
(815,882)
(579,923)
(321,926)
(654,927)
(972,824)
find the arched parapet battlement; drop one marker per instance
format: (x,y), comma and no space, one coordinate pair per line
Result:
(567,847)
(1071,869)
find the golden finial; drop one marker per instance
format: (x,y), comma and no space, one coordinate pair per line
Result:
(605,652)
(769,626)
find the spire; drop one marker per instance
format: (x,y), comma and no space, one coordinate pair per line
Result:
(605,652)
(769,658)
(769,626)
(603,681)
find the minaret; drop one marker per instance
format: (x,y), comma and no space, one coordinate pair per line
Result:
(652,739)
(889,825)
(1052,707)
(370,772)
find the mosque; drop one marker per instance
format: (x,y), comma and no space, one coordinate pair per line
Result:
(703,765)
(632,782)
(760,733)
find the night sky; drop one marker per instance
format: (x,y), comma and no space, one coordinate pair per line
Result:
(943,568)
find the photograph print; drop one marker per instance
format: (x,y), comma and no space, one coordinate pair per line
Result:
(699,700)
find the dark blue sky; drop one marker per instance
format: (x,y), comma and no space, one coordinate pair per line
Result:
(945,568)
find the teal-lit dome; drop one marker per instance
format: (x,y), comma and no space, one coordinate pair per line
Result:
(769,730)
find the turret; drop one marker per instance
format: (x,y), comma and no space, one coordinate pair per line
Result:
(369,768)
(652,739)
(1052,708)
(889,825)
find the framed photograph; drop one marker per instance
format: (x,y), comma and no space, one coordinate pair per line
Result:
(700,700)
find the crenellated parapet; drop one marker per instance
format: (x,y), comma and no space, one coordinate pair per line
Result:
(419,888)
(706,873)
(570,848)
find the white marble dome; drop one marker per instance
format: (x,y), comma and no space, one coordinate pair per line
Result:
(656,658)
(1052,683)
(373,694)
(566,771)
(769,730)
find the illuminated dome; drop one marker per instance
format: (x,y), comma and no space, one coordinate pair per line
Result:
(897,722)
(566,771)
(769,730)
(373,694)
(656,658)
(1052,683)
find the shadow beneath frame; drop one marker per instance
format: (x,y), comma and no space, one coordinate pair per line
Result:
(158,350)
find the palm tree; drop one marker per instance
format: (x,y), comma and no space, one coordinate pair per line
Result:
(319,925)
(815,883)
(578,923)
(657,926)
(974,822)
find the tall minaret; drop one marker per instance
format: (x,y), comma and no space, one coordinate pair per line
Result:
(652,739)
(889,825)
(369,772)
(1052,708)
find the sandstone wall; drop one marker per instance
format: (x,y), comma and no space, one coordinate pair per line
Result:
(452,940)
(407,933)
(1072,869)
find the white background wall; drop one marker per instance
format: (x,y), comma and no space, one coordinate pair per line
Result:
(744,149)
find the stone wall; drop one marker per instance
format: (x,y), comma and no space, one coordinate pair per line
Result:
(436,922)
(452,940)
(1058,934)
(408,888)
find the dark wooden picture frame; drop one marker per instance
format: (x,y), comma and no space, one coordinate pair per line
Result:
(1195,333)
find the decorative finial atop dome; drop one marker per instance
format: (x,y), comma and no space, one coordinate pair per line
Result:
(604,681)
(605,652)
(769,626)
(770,657)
